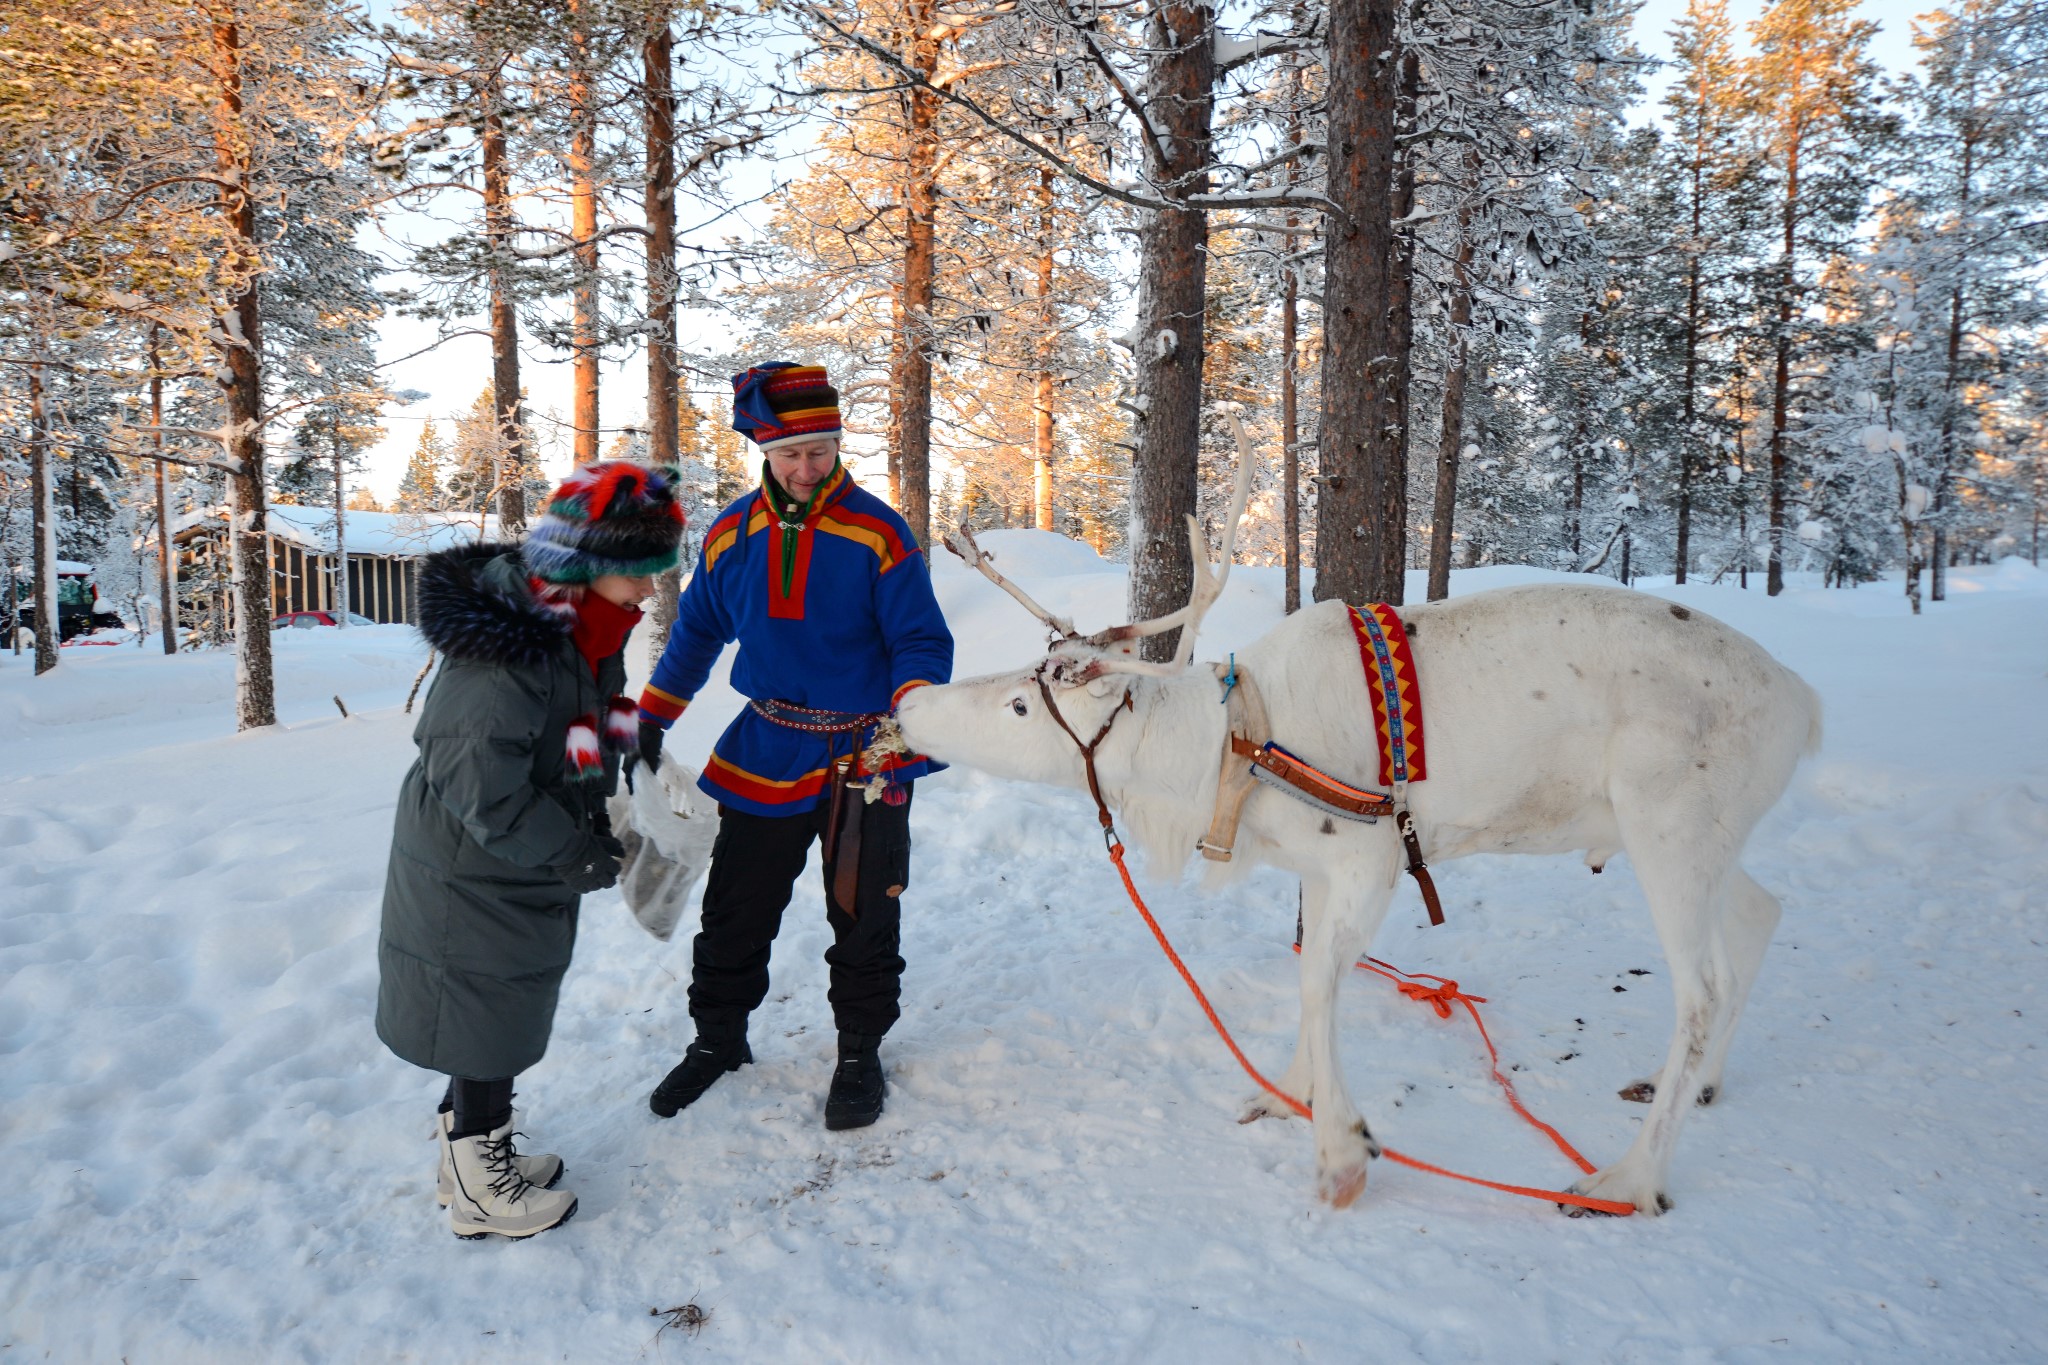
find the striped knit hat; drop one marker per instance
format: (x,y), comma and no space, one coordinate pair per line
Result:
(782,402)
(612,517)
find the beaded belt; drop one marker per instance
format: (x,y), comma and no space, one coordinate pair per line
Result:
(812,720)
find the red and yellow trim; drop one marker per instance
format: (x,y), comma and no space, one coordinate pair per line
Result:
(766,790)
(872,532)
(720,538)
(897,696)
(661,707)
(1391,678)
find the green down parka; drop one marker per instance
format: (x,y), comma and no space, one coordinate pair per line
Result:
(478,926)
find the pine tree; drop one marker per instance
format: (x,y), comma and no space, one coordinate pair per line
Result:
(420,489)
(1811,98)
(1974,166)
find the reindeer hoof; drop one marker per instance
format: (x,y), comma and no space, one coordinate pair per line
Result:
(1707,1094)
(1613,1187)
(1639,1092)
(1341,1188)
(1263,1106)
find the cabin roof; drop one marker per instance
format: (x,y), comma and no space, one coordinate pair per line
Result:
(393,535)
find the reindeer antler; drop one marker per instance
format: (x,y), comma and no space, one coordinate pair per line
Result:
(984,562)
(1208,584)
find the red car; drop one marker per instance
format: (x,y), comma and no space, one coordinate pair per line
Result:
(307,620)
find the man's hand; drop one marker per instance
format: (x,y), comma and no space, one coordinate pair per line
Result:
(648,753)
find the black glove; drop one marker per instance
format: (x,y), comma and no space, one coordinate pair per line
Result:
(601,823)
(595,867)
(649,751)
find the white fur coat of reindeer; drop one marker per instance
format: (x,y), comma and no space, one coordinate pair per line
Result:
(1560,718)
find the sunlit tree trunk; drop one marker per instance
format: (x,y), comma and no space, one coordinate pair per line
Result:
(583,224)
(657,63)
(920,258)
(242,388)
(1047,349)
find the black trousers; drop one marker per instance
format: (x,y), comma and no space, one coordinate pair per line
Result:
(754,866)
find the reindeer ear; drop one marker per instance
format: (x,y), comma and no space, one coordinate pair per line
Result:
(1100,687)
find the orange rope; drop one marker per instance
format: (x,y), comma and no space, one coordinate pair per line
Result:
(1441,997)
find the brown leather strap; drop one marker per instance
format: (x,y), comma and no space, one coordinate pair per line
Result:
(842,836)
(1417,868)
(1088,749)
(1307,781)
(1245,717)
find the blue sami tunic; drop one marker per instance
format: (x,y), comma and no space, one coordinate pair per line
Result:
(851,626)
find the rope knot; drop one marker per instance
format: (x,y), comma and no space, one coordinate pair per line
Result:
(1440,997)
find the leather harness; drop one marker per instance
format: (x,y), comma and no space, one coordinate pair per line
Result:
(1248,740)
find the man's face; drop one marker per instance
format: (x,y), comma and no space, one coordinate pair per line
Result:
(801,467)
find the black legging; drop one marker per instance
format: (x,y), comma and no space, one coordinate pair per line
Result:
(480,1106)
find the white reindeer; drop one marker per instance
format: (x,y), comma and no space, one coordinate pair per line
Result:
(1558,718)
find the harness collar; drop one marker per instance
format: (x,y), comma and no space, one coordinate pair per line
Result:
(1088,749)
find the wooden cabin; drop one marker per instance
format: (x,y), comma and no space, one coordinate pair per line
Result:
(384,551)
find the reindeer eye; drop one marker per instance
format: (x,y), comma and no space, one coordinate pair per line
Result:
(1017,705)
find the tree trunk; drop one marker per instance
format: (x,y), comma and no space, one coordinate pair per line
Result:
(167,567)
(1450,444)
(920,256)
(583,224)
(1173,282)
(242,385)
(1781,381)
(340,534)
(1911,533)
(657,61)
(43,497)
(1361,516)
(1402,305)
(1290,352)
(1290,436)
(1944,477)
(1048,341)
(1687,432)
(506,394)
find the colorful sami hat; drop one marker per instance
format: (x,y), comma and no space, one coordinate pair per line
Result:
(782,402)
(612,517)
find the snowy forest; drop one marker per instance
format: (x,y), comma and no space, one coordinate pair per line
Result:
(1477,304)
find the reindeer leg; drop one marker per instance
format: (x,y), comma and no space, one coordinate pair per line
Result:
(1343,1145)
(1684,874)
(1315,893)
(1749,916)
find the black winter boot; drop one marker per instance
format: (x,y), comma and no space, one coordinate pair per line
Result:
(719,1048)
(855,1100)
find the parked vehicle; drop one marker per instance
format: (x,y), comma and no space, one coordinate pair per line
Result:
(79,609)
(312,620)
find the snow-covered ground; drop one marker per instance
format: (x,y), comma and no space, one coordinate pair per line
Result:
(209,1157)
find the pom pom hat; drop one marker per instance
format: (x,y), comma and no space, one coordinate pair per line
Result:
(781,403)
(612,517)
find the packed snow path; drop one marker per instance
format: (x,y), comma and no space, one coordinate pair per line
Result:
(210,1157)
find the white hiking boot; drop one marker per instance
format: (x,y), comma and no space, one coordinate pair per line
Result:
(491,1196)
(542,1168)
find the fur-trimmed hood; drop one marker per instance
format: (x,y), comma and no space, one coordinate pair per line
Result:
(474,603)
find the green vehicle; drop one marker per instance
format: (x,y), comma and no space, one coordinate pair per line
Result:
(79,609)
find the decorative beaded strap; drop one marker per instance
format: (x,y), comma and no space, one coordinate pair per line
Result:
(810,719)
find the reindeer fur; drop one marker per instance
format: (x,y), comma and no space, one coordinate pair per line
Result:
(1558,718)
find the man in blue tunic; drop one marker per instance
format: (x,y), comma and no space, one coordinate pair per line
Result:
(831,602)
